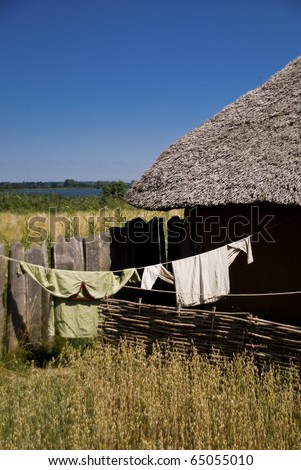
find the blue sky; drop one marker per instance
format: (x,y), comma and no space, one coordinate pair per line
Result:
(96,89)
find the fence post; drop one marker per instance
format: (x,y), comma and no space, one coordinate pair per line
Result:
(16,303)
(68,254)
(34,255)
(97,252)
(2,287)
(45,298)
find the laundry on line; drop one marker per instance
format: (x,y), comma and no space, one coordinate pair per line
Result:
(75,296)
(202,278)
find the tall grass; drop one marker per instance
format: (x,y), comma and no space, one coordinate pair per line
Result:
(85,214)
(119,398)
(21,203)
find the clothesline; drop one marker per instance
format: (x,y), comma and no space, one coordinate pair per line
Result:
(8,258)
(162,291)
(223,295)
(202,298)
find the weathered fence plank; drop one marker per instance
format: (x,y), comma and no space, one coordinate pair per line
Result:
(45,297)
(118,240)
(162,243)
(105,251)
(2,288)
(34,255)
(68,254)
(175,237)
(138,243)
(97,252)
(185,236)
(78,253)
(16,302)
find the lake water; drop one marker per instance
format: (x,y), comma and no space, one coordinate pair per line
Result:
(69,192)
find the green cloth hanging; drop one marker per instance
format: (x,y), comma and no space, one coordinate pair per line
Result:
(76,295)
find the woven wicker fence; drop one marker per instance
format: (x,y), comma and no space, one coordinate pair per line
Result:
(208,331)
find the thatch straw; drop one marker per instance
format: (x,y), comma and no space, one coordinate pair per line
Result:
(249,152)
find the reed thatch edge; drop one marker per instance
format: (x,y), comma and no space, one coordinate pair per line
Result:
(249,152)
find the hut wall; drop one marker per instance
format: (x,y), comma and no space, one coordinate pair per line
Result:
(276,250)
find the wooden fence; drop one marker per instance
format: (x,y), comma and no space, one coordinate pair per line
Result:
(209,332)
(24,305)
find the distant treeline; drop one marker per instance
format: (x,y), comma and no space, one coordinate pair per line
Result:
(111,195)
(68,183)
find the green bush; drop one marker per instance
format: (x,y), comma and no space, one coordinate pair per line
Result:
(112,190)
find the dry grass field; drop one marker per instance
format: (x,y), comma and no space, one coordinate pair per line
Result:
(110,397)
(21,227)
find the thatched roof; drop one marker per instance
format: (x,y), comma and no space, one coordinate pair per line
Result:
(250,151)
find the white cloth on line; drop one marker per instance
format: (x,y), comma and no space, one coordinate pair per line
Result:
(205,278)
(241,245)
(151,274)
